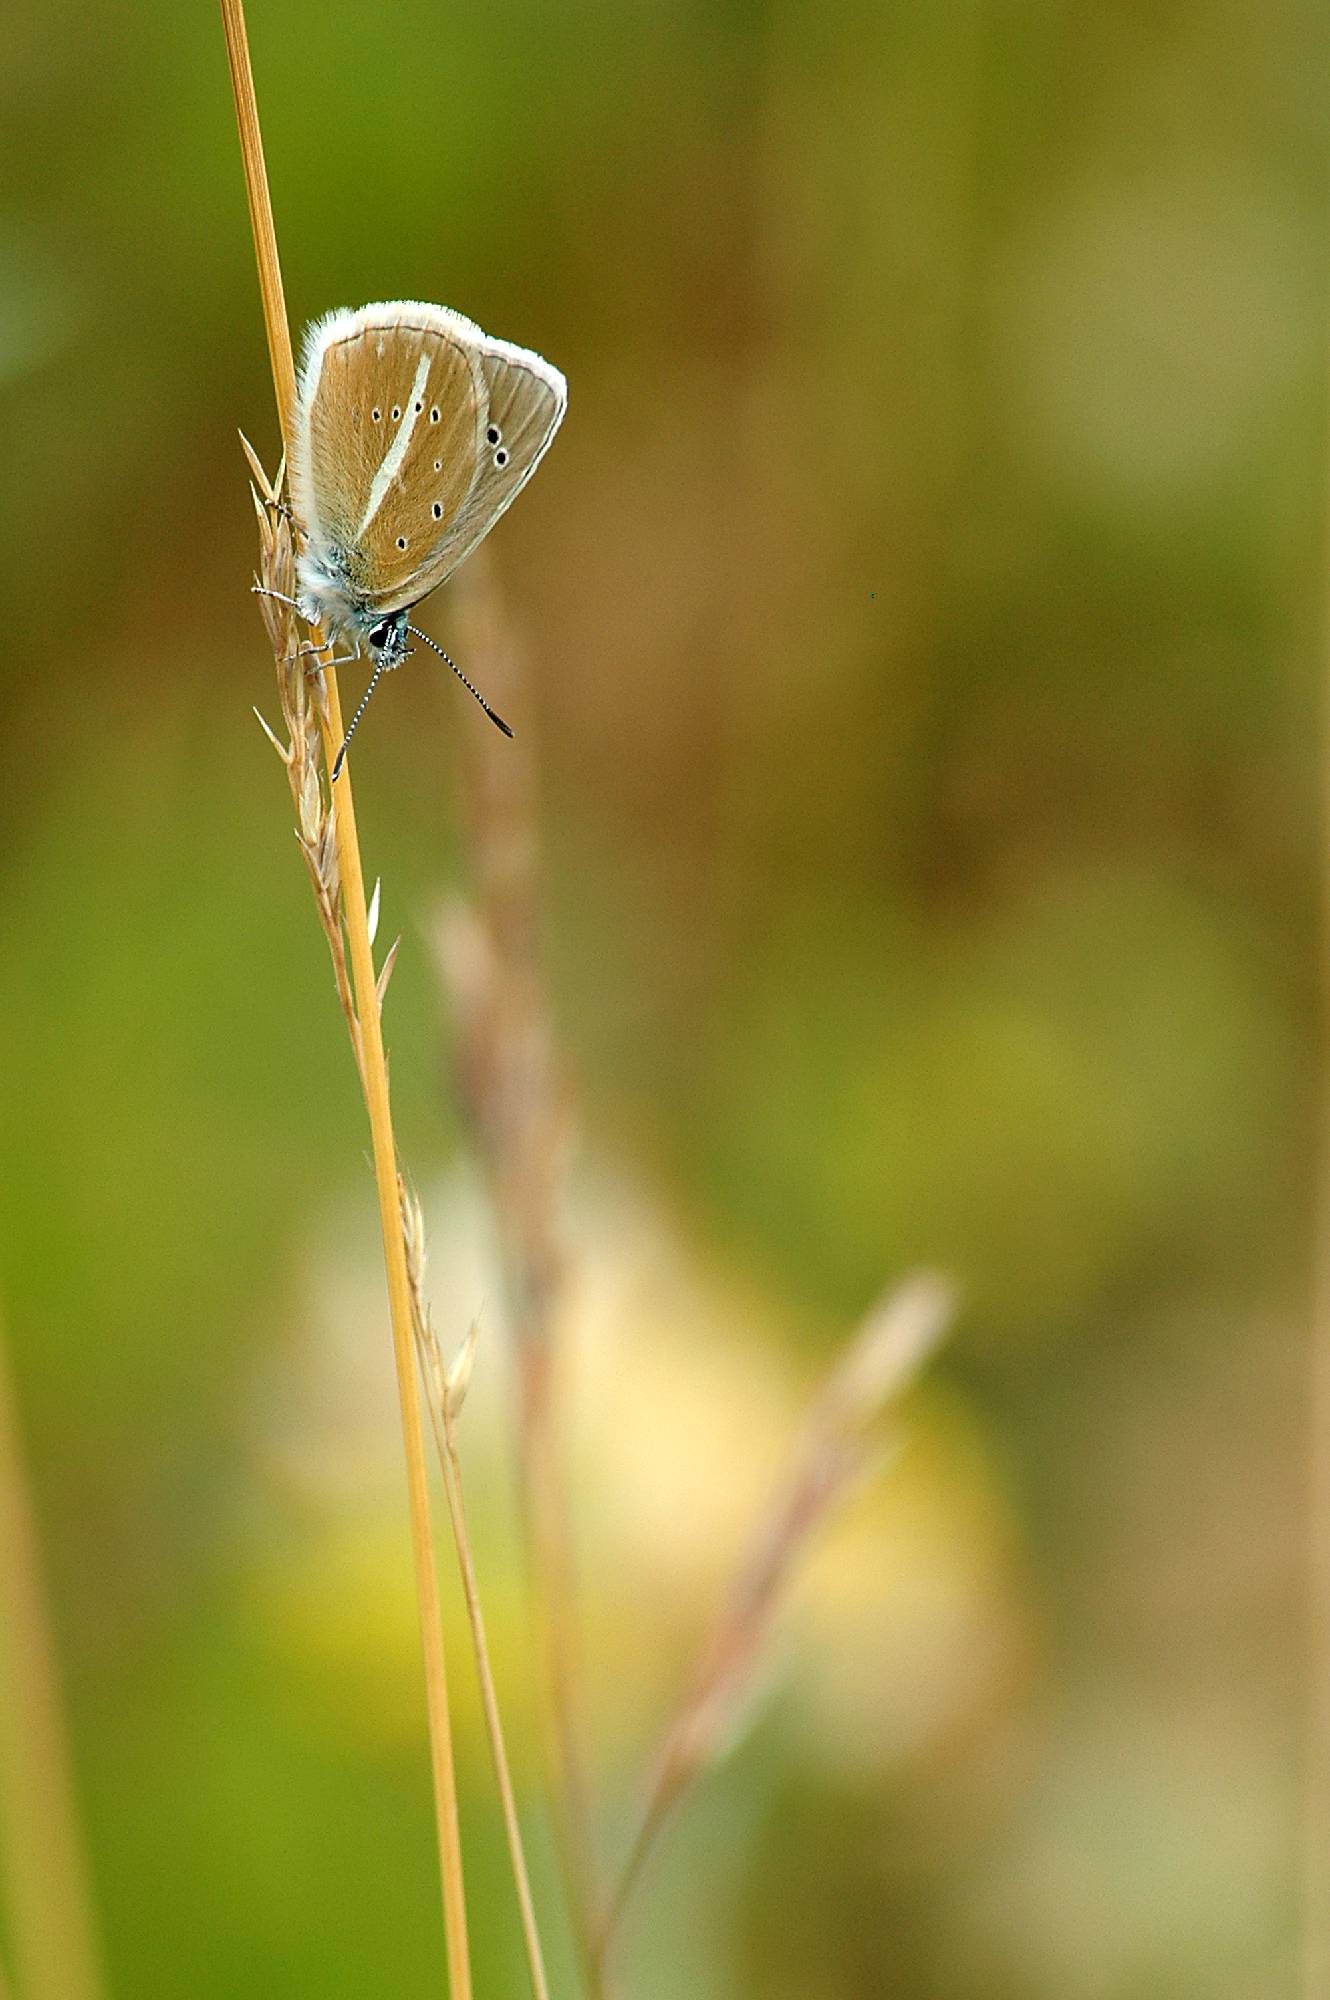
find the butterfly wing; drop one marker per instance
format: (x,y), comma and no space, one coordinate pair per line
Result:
(389,423)
(414,431)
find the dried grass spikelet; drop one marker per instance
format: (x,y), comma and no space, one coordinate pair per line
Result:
(300,693)
(413,1236)
(446,1383)
(838,1444)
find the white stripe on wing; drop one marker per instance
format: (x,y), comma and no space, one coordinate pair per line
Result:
(392,463)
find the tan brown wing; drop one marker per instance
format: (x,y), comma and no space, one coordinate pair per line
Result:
(526,401)
(387,442)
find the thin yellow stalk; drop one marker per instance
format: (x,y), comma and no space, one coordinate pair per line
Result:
(51,1925)
(447,1391)
(452,1483)
(374,1068)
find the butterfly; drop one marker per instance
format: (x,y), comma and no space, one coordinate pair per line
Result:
(413,431)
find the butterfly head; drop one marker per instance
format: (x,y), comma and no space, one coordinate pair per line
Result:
(386,639)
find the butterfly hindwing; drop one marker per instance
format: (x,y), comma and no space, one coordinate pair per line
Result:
(526,402)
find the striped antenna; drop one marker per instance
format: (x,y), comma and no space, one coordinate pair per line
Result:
(364,704)
(495,718)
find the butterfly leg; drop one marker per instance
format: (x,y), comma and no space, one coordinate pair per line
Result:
(276,506)
(338,660)
(304,652)
(262,590)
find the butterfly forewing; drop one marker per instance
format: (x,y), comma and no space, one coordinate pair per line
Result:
(391,436)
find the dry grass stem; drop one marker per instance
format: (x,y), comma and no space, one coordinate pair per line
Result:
(329,840)
(51,1929)
(446,1392)
(490,962)
(837,1444)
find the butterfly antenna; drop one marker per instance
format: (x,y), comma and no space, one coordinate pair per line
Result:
(364,704)
(495,718)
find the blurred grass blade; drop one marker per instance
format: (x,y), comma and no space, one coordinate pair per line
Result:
(45,1886)
(836,1446)
(510,1083)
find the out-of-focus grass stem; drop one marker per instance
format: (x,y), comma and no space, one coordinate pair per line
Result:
(45,1883)
(1316,1794)
(834,1451)
(489,953)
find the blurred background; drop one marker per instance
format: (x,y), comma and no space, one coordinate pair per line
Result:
(922,608)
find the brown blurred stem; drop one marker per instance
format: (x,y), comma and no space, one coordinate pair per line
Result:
(373,1066)
(1316,1823)
(51,1924)
(1316,1801)
(490,959)
(834,1449)
(1316,1795)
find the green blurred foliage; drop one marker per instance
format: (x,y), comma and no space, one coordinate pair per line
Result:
(924,611)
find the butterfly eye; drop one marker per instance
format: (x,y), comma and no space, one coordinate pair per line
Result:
(493,434)
(378,634)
